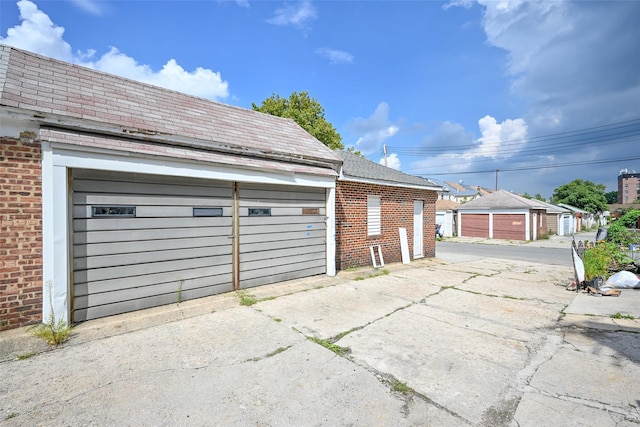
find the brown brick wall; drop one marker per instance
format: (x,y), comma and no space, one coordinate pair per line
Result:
(20,233)
(396,205)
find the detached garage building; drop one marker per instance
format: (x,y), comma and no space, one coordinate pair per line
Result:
(502,215)
(117,195)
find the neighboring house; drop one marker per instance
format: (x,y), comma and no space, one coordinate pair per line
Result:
(445,216)
(502,215)
(461,193)
(628,186)
(559,220)
(372,203)
(583,220)
(118,195)
(483,191)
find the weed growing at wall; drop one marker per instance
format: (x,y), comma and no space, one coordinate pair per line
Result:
(54,331)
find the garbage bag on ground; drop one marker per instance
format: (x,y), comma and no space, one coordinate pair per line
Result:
(622,280)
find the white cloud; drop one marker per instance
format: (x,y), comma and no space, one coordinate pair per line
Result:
(335,56)
(201,82)
(499,139)
(462,3)
(37,33)
(296,14)
(374,130)
(242,3)
(572,62)
(392,161)
(89,6)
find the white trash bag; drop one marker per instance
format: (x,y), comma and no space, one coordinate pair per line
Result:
(622,280)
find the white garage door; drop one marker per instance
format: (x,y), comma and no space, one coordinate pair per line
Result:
(141,241)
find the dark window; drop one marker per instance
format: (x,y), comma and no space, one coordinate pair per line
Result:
(207,211)
(110,211)
(259,211)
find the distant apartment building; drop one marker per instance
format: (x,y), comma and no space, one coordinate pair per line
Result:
(628,186)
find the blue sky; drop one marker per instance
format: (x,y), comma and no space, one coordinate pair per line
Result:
(455,90)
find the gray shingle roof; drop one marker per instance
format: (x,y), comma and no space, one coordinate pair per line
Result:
(501,199)
(551,208)
(355,166)
(67,95)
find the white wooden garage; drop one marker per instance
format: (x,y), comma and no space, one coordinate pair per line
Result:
(151,196)
(145,240)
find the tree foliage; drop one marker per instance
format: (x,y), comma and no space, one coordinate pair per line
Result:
(305,111)
(538,196)
(583,194)
(612,197)
(619,232)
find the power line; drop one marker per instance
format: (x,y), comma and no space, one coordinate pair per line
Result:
(561,165)
(593,133)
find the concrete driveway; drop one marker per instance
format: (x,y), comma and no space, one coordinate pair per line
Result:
(479,342)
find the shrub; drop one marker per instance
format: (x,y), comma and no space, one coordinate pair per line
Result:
(620,233)
(603,259)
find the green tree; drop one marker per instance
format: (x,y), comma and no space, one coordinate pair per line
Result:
(583,194)
(612,197)
(538,196)
(305,111)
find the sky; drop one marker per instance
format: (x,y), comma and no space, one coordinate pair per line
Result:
(525,95)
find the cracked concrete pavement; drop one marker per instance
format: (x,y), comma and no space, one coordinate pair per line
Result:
(484,342)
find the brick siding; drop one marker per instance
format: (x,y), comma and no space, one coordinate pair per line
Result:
(20,233)
(396,207)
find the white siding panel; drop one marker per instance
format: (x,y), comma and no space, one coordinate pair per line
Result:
(290,242)
(129,263)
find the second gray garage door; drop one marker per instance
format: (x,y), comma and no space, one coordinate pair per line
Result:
(282,233)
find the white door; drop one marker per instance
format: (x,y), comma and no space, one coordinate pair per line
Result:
(418,229)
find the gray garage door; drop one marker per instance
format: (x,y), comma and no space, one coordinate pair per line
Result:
(140,241)
(282,233)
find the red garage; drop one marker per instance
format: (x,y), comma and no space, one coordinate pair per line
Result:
(502,215)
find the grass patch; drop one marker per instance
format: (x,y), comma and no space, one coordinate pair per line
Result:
(375,273)
(246,298)
(345,333)
(340,351)
(619,315)
(53,332)
(278,351)
(400,387)
(277,319)
(11,415)
(26,356)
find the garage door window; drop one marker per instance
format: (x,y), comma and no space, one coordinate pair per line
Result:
(111,211)
(207,211)
(373,216)
(259,211)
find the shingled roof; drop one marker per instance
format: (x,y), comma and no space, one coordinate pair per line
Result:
(63,95)
(360,168)
(501,199)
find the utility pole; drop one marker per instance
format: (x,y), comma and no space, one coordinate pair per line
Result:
(497,179)
(384,151)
